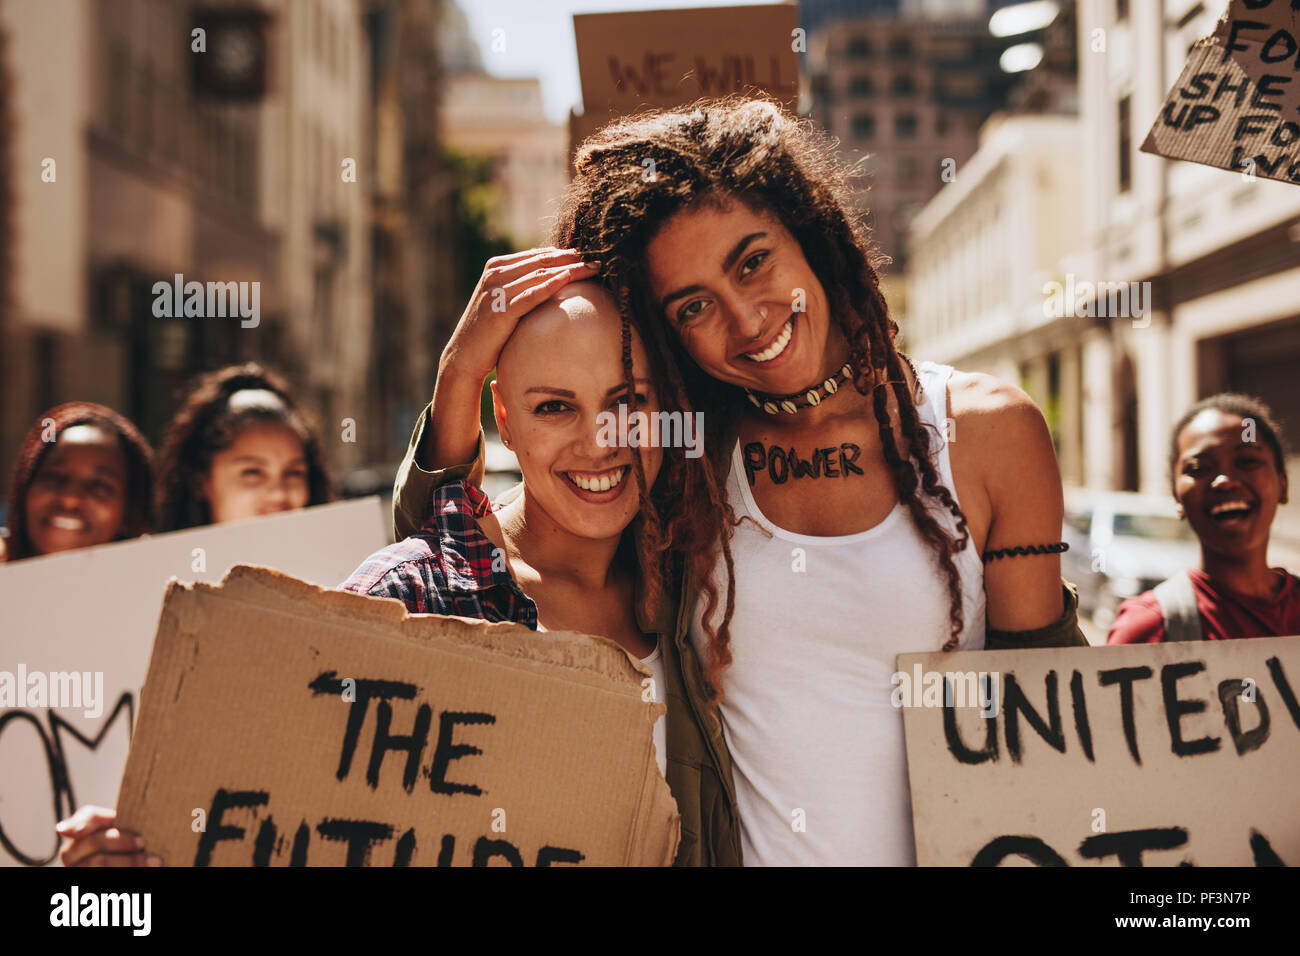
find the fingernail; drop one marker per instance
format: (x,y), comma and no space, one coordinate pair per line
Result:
(592,265)
(154,861)
(139,843)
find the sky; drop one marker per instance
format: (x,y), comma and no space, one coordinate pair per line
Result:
(539,39)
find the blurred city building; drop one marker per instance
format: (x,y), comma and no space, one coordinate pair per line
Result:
(122,177)
(982,250)
(485,115)
(1222,253)
(316,123)
(415,255)
(1212,256)
(906,96)
(292,143)
(502,118)
(813,13)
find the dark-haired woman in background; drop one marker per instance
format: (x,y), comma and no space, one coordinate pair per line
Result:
(238,448)
(1227,465)
(83,478)
(876,491)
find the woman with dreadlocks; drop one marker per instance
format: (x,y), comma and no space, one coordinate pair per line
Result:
(852,506)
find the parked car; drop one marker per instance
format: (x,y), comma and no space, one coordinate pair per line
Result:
(1122,544)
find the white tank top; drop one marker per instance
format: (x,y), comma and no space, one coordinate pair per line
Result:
(817,748)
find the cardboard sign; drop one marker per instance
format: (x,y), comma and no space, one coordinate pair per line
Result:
(282,724)
(1139,755)
(75,634)
(1237,103)
(662,58)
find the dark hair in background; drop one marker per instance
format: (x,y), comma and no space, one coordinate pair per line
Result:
(1243,406)
(139,476)
(636,173)
(205,425)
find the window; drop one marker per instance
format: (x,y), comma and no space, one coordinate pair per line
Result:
(962,85)
(941,125)
(1121,10)
(905,125)
(900,48)
(1125,146)
(859,48)
(864,126)
(821,90)
(904,85)
(861,86)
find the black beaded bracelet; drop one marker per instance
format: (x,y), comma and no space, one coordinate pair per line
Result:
(1058,548)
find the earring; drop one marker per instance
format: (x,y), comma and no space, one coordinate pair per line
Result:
(506,442)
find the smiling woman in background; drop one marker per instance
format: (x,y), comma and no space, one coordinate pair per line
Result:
(1228,470)
(238,448)
(83,478)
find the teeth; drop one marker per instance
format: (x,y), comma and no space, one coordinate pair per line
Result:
(777,347)
(1234,506)
(600,481)
(68,524)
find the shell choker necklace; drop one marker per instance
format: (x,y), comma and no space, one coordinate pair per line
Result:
(775,404)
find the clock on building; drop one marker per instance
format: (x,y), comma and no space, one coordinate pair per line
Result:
(233,66)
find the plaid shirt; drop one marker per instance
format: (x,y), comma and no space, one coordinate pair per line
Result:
(446,566)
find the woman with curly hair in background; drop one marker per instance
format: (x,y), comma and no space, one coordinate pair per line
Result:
(238,447)
(83,478)
(836,521)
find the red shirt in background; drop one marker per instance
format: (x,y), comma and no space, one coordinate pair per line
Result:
(1224,614)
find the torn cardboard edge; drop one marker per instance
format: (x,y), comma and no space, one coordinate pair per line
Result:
(192,617)
(578,653)
(1255,130)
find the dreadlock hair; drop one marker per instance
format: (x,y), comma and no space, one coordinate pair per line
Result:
(43,435)
(630,178)
(1243,406)
(205,425)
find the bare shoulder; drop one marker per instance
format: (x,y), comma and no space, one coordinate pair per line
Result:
(994,412)
(1003,440)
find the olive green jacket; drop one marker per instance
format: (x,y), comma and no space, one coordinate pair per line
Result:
(698,763)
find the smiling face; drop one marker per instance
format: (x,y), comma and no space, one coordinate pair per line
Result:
(77,498)
(735,285)
(263,471)
(1227,488)
(561,369)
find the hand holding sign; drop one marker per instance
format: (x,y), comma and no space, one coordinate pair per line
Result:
(94,840)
